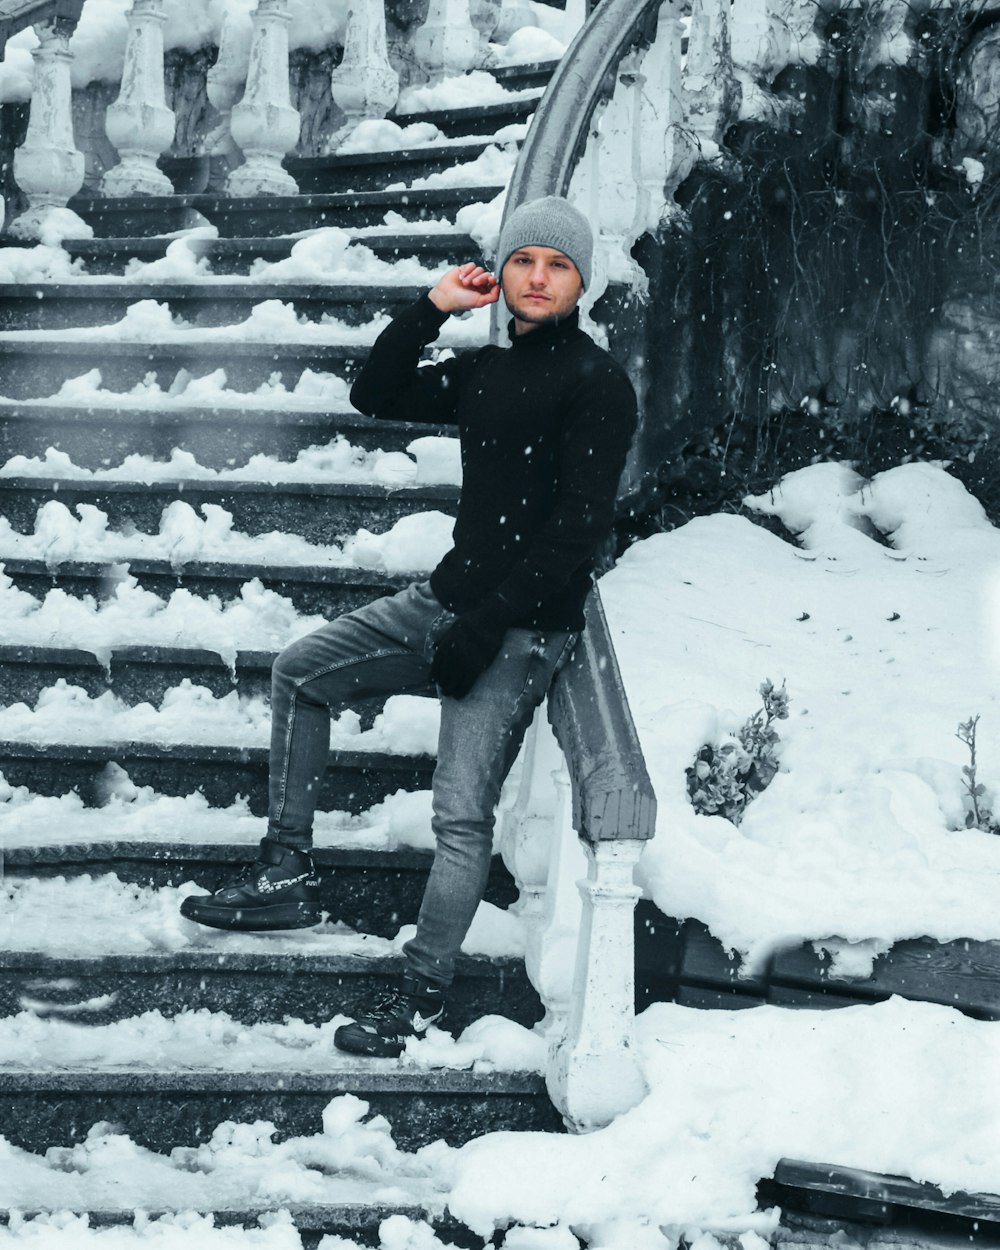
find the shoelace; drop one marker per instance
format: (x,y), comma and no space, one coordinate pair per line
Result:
(388,1008)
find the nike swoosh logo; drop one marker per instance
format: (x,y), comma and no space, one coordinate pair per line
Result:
(420,1022)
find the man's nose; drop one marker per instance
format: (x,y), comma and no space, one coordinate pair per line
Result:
(538,276)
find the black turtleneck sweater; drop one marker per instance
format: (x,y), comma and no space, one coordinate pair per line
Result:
(544,427)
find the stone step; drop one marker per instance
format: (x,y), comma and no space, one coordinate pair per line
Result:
(326,590)
(141,674)
(375,171)
(162,1110)
(354,782)
(235,256)
(270,215)
(482,119)
(371,891)
(528,74)
(218,438)
(34,368)
(355,1223)
(56,305)
(319,512)
(253,987)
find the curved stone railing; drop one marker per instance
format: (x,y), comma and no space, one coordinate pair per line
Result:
(602,799)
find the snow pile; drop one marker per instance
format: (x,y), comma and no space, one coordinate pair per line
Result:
(353,1159)
(38,264)
(482,222)
(491,168)
(313,392)
(414,544)
(898,1087)
(191,714)
(473,90)
(375,135)
(435,460)
(114,917)
(528,46)
(170,1232)
(258,620)
(885,650)
(133,813)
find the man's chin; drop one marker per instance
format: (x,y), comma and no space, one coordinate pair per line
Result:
(540,316)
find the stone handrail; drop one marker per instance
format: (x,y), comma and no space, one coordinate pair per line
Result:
(604,800)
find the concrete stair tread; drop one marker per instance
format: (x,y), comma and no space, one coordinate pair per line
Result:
(343,421)
(477,119)
(316,574)
(275,215)
(12,749)
(351,1076)
(313,1221)
(21,859)
(212,289)
(208,488)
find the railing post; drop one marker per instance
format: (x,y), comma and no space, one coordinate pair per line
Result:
(364,85)
(542,852)
(447,44)
(264,125)
(594,1072)
(223,84)
(139,124)
(47,166)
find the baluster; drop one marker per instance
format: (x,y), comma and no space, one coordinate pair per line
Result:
(447,44)
(527,832)
(264,125)
(550,956)
(593,1072)
(47,166)
(514,16)
(663,151)
(364,85)
(139,124)
(224,82)
(710,87)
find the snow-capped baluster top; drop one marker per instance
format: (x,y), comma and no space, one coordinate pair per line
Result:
(139,124)
(264,124)
(364,85)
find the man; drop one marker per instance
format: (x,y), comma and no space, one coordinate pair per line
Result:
(544,428)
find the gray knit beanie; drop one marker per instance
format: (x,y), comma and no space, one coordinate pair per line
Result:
(549,222)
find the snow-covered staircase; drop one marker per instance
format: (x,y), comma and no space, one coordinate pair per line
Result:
(112,1008)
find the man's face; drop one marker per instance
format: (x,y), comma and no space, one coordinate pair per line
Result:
(540,286)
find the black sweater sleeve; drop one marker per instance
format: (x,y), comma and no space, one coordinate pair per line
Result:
(391,385)
(594,443)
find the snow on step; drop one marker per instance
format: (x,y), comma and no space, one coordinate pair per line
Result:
(433,461)
(139,814)
(259,620)
(474,90)
(414,544)
(313,392)
(112,917)
(193,716)
(271,321)
(352,1160)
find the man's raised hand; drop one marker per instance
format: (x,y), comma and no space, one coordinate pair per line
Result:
(465,287)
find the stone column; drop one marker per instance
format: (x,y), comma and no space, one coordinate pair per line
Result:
(447,44)
(364,85)
(139,124)
(47,166)
(594,1073)
(264,125)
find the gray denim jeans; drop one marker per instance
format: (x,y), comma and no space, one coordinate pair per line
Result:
(386,648)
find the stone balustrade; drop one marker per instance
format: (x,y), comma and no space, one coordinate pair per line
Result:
(247,118)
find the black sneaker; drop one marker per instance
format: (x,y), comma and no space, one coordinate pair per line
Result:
(406,1013)
(279,891)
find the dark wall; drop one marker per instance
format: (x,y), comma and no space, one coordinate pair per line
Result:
(836,289)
